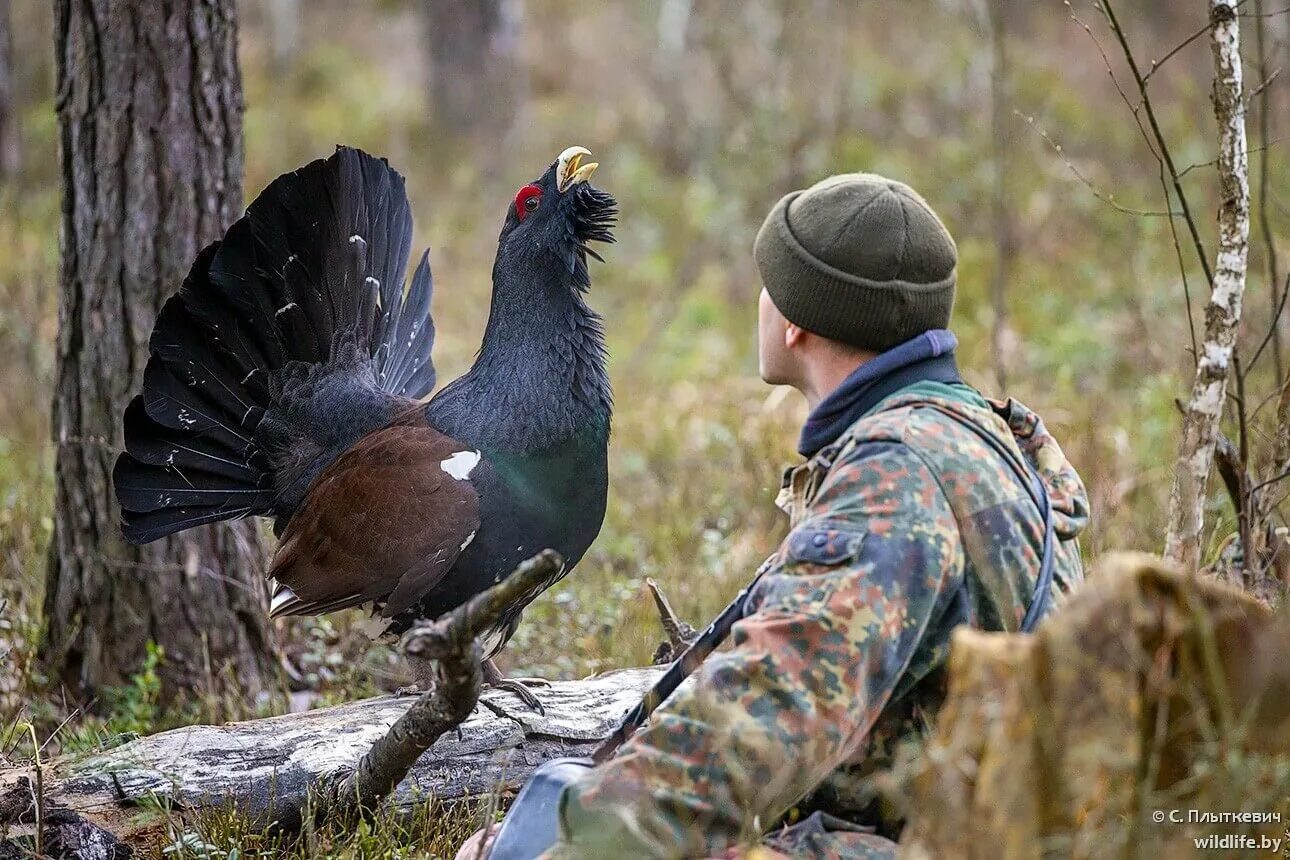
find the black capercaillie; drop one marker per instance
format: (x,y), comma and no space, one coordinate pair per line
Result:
(286,378)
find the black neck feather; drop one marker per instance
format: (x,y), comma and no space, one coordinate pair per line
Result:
(539,381)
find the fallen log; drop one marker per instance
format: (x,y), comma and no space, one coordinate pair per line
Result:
(265,767)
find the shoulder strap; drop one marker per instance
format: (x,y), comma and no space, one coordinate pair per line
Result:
(1030,479)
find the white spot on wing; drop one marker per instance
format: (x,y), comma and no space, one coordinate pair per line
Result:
(470,537)
(282,310)
(461,464)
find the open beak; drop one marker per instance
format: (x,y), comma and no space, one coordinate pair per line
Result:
(570,170)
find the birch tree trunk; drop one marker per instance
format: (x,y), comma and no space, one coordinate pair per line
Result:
(1223,314)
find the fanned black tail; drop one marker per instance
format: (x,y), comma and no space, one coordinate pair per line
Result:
(288,340)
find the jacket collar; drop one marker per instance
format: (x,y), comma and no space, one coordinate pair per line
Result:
(927,357)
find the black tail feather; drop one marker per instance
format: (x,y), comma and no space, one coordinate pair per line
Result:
(300,311)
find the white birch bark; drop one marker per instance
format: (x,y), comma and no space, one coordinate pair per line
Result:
(1223,314)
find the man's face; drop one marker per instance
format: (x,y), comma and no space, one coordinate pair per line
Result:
(777,363)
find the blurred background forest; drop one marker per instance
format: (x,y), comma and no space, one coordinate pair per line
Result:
(702,114)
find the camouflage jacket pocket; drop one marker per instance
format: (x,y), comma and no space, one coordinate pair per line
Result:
(821,542)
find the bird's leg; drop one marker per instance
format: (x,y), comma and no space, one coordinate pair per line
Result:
(422,678)
(494,678)
(423,682)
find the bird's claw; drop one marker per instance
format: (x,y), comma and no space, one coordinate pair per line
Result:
(409,690)
(531,682)
(520,687)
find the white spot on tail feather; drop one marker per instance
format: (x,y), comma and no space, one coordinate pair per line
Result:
(282,595)
(470,537)
(282,310)
(460,465)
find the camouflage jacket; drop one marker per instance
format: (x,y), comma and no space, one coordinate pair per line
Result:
(904,527)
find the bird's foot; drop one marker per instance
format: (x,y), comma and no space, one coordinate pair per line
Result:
(529,682)
(518,687)
(493,678)
(409,690)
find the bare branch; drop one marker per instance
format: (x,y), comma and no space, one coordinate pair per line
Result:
(1159,136)
(451,642)
(1265,223)
(1105,197)
(1213,161)
(679,634)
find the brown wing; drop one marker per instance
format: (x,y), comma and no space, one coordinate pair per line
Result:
(383,523)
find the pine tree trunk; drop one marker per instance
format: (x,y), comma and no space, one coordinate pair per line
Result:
(150,121)
(1223,314)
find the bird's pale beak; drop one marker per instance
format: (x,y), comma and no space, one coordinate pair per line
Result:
(569,169)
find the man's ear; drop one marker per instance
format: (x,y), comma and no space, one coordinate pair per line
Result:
(794,335)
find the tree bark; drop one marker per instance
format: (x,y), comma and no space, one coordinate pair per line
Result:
(472,45)
(150,120)
(10,136)
(1223,314)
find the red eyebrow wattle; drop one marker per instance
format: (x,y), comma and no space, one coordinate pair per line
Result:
(524,195)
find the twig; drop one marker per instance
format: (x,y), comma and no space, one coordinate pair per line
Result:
(1159,149)
(1285,11)
(1003,233)
(1182,271)
(1200,164)
(1108,199)
(1268,80)
(1237,480)
(1265,224)
(1161,145)
(1272,329)
(451,642)
(679,634)
(1156,64)
(38,792)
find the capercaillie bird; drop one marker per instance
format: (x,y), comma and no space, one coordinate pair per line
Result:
(287,376)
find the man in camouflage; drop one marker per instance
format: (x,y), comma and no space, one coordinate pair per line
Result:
(911,515)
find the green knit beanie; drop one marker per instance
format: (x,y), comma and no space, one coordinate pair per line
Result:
(858,259)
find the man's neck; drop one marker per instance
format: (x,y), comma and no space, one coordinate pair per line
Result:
(824,377)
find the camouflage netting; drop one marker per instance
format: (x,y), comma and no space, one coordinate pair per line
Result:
(1149,692)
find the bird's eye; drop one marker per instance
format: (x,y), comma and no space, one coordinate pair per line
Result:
(527,200)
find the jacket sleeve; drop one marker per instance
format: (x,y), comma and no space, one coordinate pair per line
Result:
(837,622)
